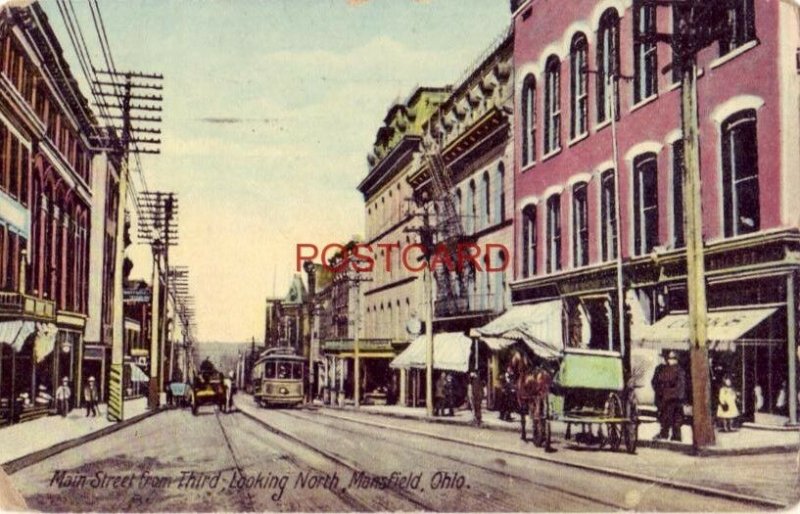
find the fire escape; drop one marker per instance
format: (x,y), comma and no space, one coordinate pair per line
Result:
(452,283)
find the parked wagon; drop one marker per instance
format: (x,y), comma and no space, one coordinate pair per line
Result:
(590,395)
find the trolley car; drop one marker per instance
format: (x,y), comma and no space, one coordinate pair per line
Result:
(278,378)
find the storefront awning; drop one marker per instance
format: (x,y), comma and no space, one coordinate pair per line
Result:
(16,332)
(137,375)
(672,331)
(450,352)
(537,325)
(497,344)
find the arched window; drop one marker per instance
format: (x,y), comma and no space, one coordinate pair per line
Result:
(607,64)
(645,203)
(528,120)
(645,58)
(608,216)
(459,207)
(579,91)
(553,233)
(740,188)
(500,194)
(473,207)
(529,241)
(552,105)
(580,225)
(677,194)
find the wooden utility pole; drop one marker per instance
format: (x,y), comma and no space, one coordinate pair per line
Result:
(702,421)
(698,24)
(123,91)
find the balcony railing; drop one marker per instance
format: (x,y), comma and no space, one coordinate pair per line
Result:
(23,305)
(467,304)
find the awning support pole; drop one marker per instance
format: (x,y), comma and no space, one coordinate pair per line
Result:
(791,340)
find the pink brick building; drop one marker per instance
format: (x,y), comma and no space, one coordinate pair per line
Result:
(566,179)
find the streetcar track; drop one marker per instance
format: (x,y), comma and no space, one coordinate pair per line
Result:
(502,474)
(694,488)
(248,495)
(345,497)
(338,459)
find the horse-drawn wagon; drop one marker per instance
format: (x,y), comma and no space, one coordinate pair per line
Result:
(589,394)
(208,388)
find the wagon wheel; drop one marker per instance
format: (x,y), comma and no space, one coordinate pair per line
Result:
(541,425)
(613,409)
(630,432)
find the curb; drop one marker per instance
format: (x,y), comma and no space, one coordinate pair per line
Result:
(643,443)
(19,463)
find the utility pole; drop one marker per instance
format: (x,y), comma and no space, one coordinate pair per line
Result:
(157,227)
(355,283)
(123,91)
(426,233)
(698,24)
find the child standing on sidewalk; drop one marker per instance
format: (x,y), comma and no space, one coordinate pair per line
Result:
(727,411)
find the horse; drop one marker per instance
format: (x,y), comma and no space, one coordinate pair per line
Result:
(533,387)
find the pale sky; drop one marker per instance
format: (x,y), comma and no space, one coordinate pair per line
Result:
(303,86)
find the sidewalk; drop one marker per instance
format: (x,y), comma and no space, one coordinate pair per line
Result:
(745,441)
(50,434)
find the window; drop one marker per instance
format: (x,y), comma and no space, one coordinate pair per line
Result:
(608,216)
(607,64)
(741,26)
(500,193)
(471,208)
(552,105)
(486,212)
(467,211)
(529,241)
(579,105)
(580,225)
(553,233)
(13,169)
(677,195)
(645,203)
(645,59)
(528,120)
(740,174)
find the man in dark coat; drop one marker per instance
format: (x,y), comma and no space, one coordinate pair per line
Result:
(669,384)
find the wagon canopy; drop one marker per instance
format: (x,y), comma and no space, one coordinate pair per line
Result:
(450,352)
(591,369)
(538,326)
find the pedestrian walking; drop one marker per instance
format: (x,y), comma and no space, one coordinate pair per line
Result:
(669,383)
(228,381)
(449,395)
(727,410)
(509,394)
(475,393)
(438,396)
(63,395)
(90,396)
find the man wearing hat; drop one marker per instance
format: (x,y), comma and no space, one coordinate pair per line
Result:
(669,384)
(90,396)
(63,394)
